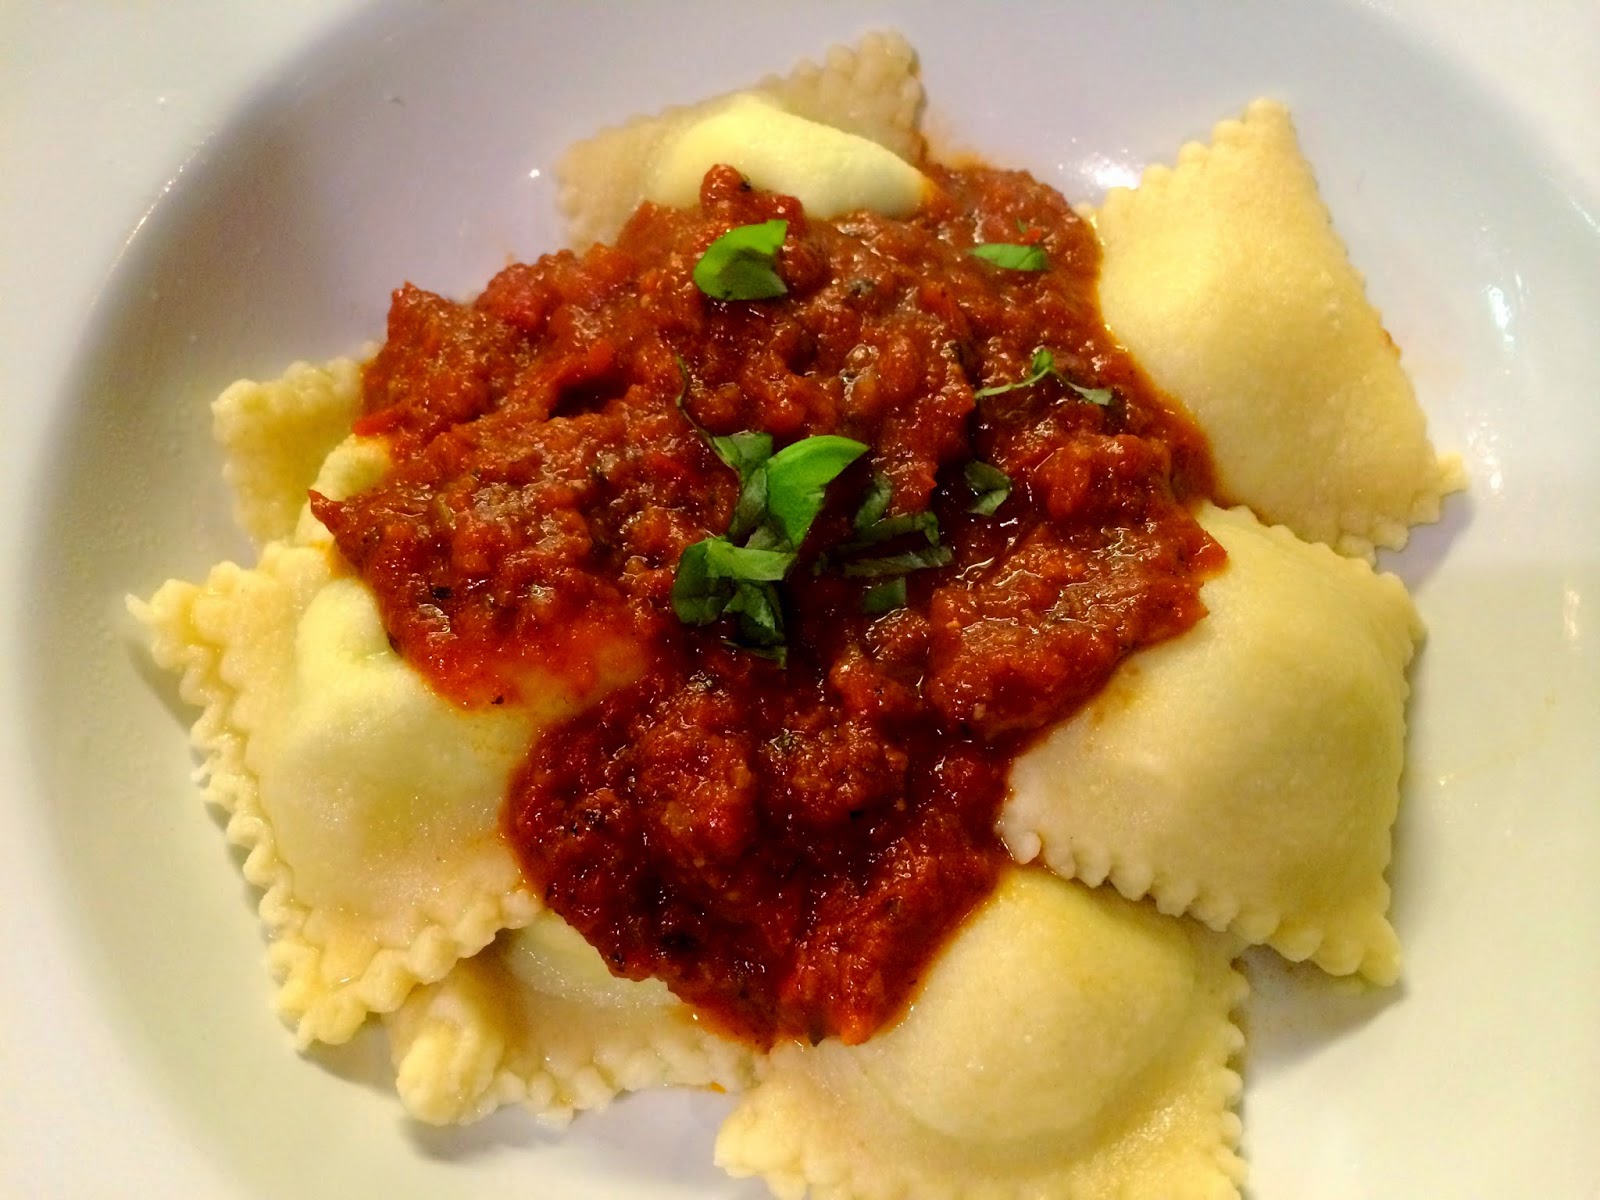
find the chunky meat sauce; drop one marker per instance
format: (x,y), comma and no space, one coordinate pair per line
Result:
(786,846)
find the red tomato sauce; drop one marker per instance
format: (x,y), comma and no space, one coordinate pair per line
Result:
(786,846)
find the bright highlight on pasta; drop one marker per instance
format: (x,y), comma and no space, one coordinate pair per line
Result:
(1233,784)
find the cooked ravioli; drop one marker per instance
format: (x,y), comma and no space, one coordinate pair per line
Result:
(276,435)
(1225,278)
(369,805)
(1248,771)
(537,1019)
(861,107)
(1067,1043)
(829,171)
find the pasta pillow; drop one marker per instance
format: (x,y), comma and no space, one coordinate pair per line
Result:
(539,1020)
(1247,772)
(1066,1043)
(1225,278)
(369,805)
(854,117)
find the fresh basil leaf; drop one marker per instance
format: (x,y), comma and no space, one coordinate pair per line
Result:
(759,613)
(989,484)
(765,537)
(899,564)
(1044,363)
(724,560)
(876,503)
(697,598)
(884,597)
(779,497)
(925,522)
(872,527)
(711,571)
(1011,256)
(744,452)
(739,265)
(750,510)
(796,477)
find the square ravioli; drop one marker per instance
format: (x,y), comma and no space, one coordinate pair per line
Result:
(1248,772)
(1225,278)
(1068,1043)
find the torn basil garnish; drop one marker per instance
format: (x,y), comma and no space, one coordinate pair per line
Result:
(990,487)
(1043,364)
(736,574)
(884,597)
(742,263)
(898,564)
(872,526)
(1012,256)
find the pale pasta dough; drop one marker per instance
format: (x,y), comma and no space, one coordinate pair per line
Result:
(1226,280)
(830,172)
(538,1019)
(870,91)
(1067,1043)
(275,436)
(370,805)
(1248,771)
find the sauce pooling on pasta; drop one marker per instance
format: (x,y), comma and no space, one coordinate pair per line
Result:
(786,846)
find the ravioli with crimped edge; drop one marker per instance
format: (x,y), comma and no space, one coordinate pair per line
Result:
(538,1020)
(369,806)
(1068,1043)
(1242,775)
(1247,772)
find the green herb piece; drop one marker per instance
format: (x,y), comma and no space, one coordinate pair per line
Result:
(876,503)
(796,477)
(711,575)
(1012,256)
(759,613)
(725,559)
(739,265)
(697,598)
(749,511)
(1044,363)
(779,497)
(884,597)
(872,526)
(925,522)
(744,452)
(899,564)
(747,453)
(990,486)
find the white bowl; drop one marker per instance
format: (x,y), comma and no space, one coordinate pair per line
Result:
(140,1053)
